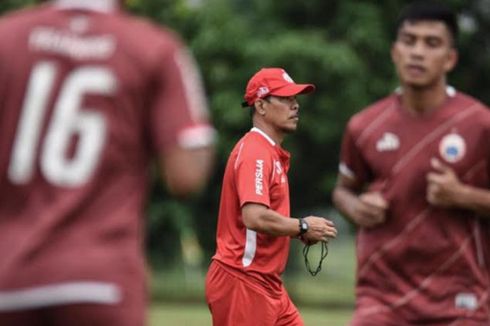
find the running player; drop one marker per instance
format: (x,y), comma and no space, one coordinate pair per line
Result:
(89,97)
(419,251)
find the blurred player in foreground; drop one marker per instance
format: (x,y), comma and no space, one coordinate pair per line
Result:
(414,176)
(243,285)
(89,97)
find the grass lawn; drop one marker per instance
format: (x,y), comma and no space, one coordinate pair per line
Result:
(332,287)
(198,315)
(326,300)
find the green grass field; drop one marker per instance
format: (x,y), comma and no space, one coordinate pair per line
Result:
(198,315)
(326,300)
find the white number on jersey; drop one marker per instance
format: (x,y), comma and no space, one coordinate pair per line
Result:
(68,120)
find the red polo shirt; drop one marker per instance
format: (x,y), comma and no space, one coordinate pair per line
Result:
(256,172)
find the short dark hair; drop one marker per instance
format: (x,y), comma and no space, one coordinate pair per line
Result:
(252,107)
(429,10)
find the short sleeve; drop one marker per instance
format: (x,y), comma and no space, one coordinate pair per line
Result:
(253,171)
(352,162)
(178,113)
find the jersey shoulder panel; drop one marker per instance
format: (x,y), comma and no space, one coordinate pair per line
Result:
(480,113)
(249,149)
(15,14)
(13,19)
(141,37)
(465,100)
(255,146)
(359,121)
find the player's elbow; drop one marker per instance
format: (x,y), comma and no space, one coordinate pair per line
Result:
(251,223)
(186,172)
(336,196)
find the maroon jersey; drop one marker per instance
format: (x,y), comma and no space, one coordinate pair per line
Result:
(88,96)
(424,263)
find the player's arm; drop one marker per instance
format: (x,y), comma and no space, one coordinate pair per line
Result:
(180,120)
(363,209)
(366,209)
(186,171)
(444,189)
(262,219)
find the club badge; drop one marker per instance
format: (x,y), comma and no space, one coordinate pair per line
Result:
(452,148)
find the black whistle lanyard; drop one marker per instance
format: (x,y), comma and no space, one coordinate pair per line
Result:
(323,255)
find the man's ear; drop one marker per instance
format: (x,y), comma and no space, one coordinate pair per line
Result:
(452,60)
(260,106)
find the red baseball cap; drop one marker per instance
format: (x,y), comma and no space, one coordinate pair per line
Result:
(273,81)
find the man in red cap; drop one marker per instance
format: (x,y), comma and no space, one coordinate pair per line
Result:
(243,285)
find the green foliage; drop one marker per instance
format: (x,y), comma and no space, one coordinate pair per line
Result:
(7,5)
(340,46)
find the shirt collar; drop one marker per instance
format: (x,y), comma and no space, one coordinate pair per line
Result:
(95,5)
(283,154)
(450,91)
(255,129)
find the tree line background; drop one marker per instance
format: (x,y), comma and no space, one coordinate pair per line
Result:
(341,46)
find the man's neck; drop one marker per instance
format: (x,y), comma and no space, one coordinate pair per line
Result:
(421,101)
(276,136)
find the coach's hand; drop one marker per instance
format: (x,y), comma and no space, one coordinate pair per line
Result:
(319,229)
(370,209)
(443,185)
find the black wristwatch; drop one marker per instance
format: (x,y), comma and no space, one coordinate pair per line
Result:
(303,226)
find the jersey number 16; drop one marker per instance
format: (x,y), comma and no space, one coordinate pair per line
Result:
(68,120)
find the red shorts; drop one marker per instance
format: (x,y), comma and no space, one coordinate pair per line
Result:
(235,302)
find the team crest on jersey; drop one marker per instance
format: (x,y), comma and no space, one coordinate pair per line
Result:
(389,142)
(452,148)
